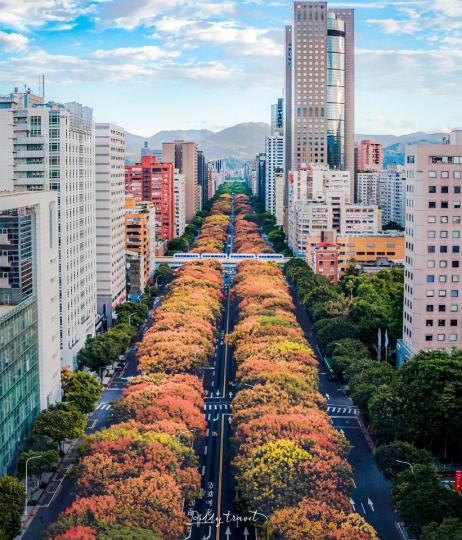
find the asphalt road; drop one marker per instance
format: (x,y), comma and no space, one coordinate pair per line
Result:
(371,496)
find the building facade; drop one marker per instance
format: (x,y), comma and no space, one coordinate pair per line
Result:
(320,74)
(277,116)
(274,163)
(202,179)
(180,203)
(432,290)
(392,195)
(29,316)
(367,188)
(369,156)
(154,182)
(52,146)
(140,235)
(184,157)
(110,219)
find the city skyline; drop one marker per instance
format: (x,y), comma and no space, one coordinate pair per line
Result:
(228,52)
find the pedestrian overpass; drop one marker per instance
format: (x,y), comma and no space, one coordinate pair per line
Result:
(227,259)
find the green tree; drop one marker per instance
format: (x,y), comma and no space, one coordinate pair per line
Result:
(364,384)
(431,390)
(384,412)
(39,465)
(344,352)
(12,502)
(83,390)
(60,422)
(420,499)
(448,529)
(132,313)
(330,330)
(178,245)
(388,455)
(164,273)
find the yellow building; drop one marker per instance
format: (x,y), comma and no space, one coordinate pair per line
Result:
(362,250)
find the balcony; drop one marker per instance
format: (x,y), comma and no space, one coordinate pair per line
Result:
(4,262)
(30,154)
(29,167)
(40,139)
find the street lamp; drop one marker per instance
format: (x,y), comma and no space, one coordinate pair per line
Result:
(27,462)
(406,463)
(130,318)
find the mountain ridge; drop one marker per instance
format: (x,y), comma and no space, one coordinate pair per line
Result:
(245,140)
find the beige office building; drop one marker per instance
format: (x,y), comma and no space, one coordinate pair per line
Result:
(432,290)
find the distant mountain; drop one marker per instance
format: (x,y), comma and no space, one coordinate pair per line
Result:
(394,146)
(241,142)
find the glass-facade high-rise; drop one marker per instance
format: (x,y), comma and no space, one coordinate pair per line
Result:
(19,378)
(19,361)
(335,92)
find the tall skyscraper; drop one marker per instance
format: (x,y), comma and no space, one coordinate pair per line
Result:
(110,218)
(277,116)
(432,288)
(180,205)
(29,316)
(320,75)
(184,157)
(52,146)
(261,176)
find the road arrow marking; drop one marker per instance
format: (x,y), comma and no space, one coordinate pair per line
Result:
(371,504)
(218,392)
(353,504)
(342,432)
(362,506)
(209,535)
(228,533)
(328,397)
(246,533)
(203,470)
(189,535)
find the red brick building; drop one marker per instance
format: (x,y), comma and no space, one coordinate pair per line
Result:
(325,260)
(154,182)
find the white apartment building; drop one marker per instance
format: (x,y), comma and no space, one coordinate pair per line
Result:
(29,273)
(274,150)
(180,203)
(432,290)
(110,218)
(392,195)
(51,146)
(367,187)
(319,199)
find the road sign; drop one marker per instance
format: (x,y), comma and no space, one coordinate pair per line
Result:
(458,481)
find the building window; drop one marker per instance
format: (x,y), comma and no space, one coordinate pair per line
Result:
(454,308)
(428,337)
(430,279)
(452,337)
(441,293)
(441,322)
(443,264)
(430,264)
(429,322)
(443,279)
(454,294)
(431,174)
(432,204)
(453,322)
(431,234)
(444,174)
(441,337)
(430,293)
(431,249)
(431,219)
(442,308)
(429,308)
(444,189)
(431,189)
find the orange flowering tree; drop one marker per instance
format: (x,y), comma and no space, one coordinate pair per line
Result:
(290,461)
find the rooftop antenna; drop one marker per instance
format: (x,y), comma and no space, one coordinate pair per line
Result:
(43,87)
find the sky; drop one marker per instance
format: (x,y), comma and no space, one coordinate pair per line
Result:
(151,65)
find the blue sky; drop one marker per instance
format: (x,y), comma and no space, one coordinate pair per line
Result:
(180,64)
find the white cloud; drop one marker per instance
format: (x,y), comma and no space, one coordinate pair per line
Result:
(129,15)
(431,72)
(26,14)
(243,41)
(13,41)
(140,54)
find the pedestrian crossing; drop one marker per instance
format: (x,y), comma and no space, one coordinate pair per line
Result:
(217,407)
(342,410)
(103,407)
